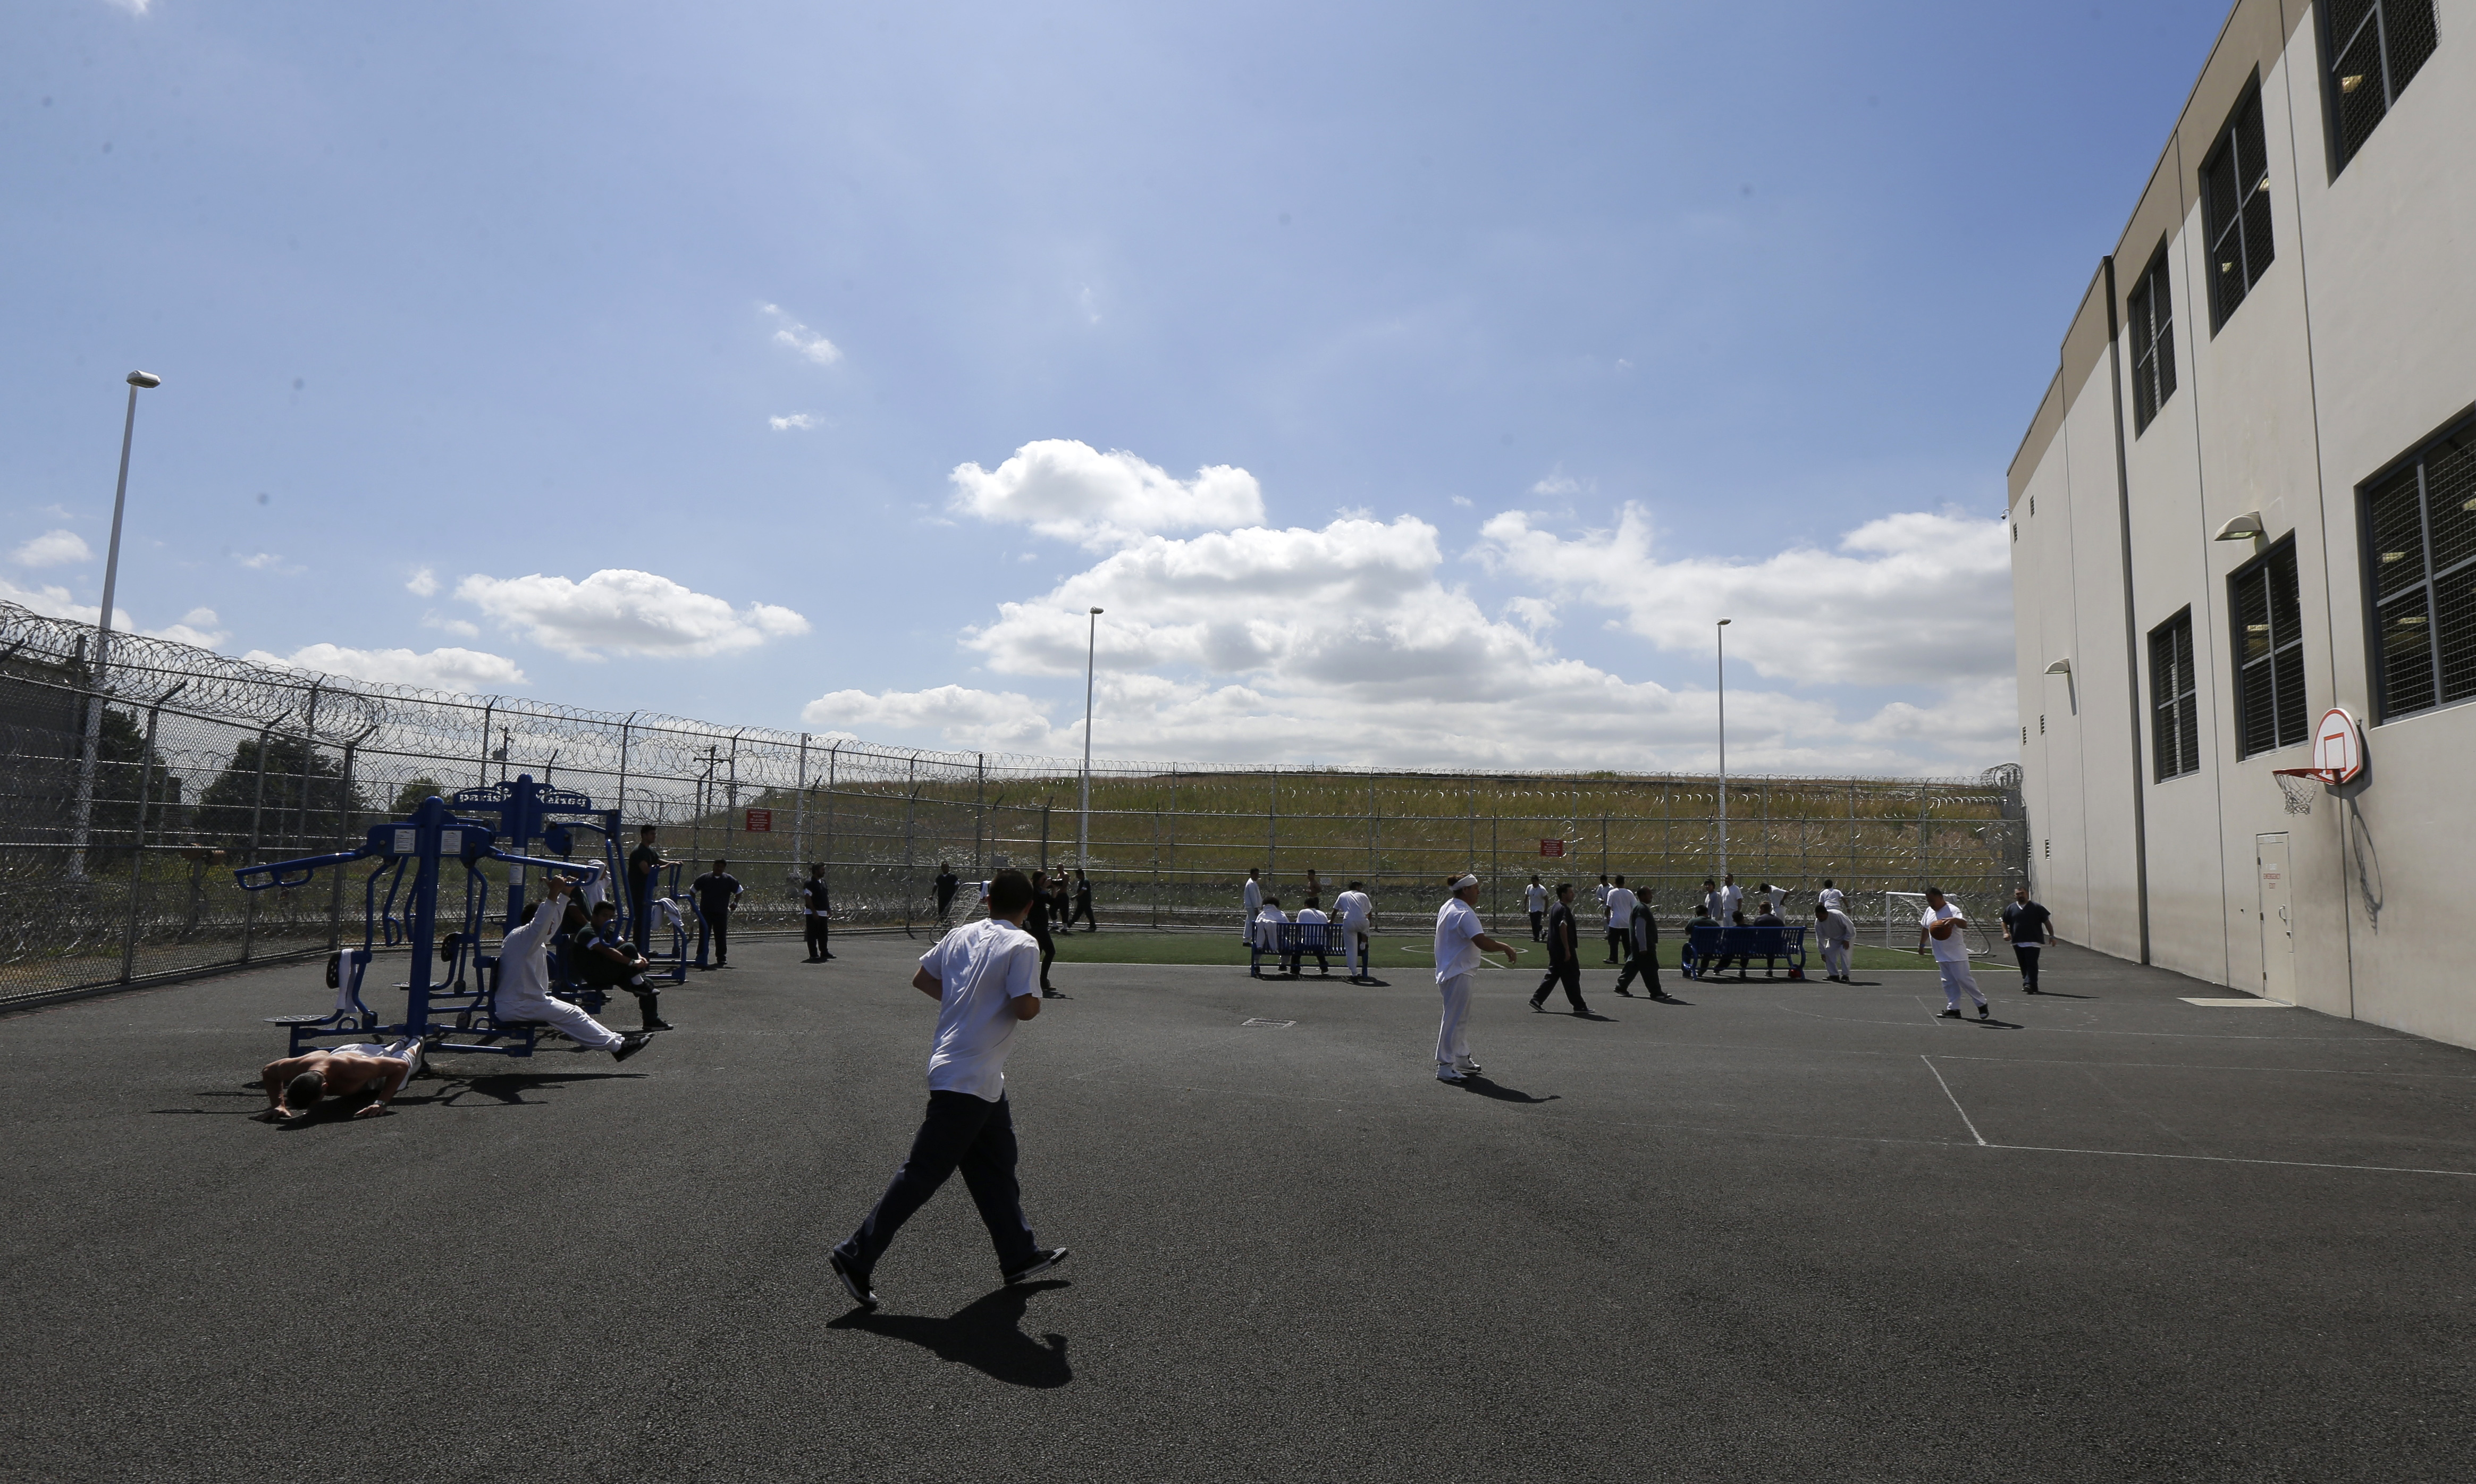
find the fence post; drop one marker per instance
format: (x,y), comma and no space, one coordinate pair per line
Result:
(1044,838)
(308,771)
(832,755)
(256,808)
(488,709)
(1157,834)
(1273,828)
(138,831)
(910,867)
(1173,825)
(621,802)
(800,811)
(345,812)
(979,818)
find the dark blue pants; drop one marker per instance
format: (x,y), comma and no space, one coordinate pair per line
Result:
(2025,954)
(960,1131)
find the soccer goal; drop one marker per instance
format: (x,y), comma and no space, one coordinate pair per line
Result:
(1901,910)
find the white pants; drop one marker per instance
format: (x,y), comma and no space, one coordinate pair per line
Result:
(565,1018)
(1955,978)
(1353,948)
(1835,959)
(1453,1036)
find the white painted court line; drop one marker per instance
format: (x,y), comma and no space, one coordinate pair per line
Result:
(2246,1003)
(1955,1102)
(2230,1159)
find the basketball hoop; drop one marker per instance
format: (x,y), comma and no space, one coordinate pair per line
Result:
(2298,784)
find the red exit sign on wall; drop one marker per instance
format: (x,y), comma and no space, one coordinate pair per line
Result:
(760,822)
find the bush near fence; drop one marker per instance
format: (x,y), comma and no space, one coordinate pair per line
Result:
(202,762)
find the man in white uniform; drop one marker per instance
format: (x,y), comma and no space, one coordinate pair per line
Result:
(1460,940)
(1357,914)
(1620,919)
(985,978)
(1836,934)
(1831,896)
(1267,938)
(1310,939)
(1255,904)
(524,979)
(1950,955)
(1731,896)
(295,1084)
(1534,901)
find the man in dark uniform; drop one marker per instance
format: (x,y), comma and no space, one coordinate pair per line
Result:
(816,907)
(1641,946)
(1035,922)
(599,956)
(1564,954)
(946,885)
(644,863)
(1082,903)
(2024,923)
(716,892)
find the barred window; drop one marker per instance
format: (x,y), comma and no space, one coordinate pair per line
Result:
(2421,545)
(2235,193)
(2174,699)
(2269,652)
(2151,310)
(2375,47)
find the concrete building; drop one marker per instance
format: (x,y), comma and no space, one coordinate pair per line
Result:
(2250,496)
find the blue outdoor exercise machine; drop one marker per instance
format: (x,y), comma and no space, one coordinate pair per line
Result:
(442,1003)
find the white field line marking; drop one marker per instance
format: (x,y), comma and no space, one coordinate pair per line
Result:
(2202,1066)
(2231,1159)
(2243,1003)
(1955,1102)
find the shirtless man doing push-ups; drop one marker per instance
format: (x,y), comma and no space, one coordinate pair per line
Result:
(295,1084)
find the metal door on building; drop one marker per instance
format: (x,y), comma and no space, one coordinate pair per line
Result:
(2277,924)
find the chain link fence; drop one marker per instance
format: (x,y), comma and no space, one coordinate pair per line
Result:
(130,790)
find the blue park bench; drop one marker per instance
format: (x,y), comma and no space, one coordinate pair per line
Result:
(1713,946)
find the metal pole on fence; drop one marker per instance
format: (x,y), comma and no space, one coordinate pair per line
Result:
(800,811)
(1084,824)
(1044,838)
(979,818)
(256,808)
(832,755)
(1273,828)
(344,815)
(488,708)
(1173,828)
(138,831)
(1719,638)
(82,817)
(621,802)
(910,866)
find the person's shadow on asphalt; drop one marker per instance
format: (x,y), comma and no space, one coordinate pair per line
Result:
(985,1334)
(1473,1081)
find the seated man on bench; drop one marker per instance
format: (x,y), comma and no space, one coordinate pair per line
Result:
(602,956)
(524,979)
(295,1084)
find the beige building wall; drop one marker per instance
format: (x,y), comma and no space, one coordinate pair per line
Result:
(2355,347)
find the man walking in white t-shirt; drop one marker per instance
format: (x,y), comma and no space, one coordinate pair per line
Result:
(1354,914)
(1460,940)
(985,978)
(1620,918)
(1941,926)
(1731,896)
(1255,897)
(1534,901)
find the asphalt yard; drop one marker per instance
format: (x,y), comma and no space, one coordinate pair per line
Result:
(1773,1231)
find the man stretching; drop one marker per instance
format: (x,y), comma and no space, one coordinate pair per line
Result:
(1460,940)
(1837,935)
(295,1084)
(524,979)
(1941,926)
(1355,912)
(984,977)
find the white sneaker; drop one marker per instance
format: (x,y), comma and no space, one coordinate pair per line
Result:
(1447,1075)
(1468,1068)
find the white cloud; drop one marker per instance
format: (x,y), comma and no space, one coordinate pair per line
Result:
(1461,501)
(52,549)
(799,337)
(423,584)
(133,7)
(470,672)
(261,562)
(199,626)
(455,626)
(1068,489)
(1345,644)
(617,612)
(1914,599)
(796,420)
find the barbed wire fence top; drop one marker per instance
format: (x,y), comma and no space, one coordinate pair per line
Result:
(135,786)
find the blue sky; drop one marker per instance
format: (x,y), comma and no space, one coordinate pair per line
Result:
(1536,336)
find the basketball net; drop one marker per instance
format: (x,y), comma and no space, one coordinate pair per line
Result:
(2298,784)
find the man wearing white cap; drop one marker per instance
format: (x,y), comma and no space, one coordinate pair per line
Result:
(1460,940)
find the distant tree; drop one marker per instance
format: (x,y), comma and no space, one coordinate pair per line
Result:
(120,749)
(285,826)
(408,798)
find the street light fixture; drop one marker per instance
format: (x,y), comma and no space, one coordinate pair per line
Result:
(82,817)
(1083,823)
(1720,637)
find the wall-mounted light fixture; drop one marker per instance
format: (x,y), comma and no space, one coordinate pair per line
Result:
(2244,528)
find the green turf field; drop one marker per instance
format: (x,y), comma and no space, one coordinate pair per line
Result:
(1395,951)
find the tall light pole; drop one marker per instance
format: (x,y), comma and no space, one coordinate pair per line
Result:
(1083,822)
(82,817)
(1720,637)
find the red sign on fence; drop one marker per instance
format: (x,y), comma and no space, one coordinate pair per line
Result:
(760,822)
(1552,848)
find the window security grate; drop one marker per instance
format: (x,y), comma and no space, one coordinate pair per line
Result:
(2235,190)
(2421,530)
(2151,310)
(2269,652)
(2174,700)
(2375,48)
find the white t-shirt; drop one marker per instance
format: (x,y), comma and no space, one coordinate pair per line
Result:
(1309,917)
(1836,928)
(1352,907)
(1830,897)
(1535,900)
(1268,926)
(1600,893)
(1620,907)
(1254,895)
(981,968)
(1730,898)
(1951,949)
(1456,925)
